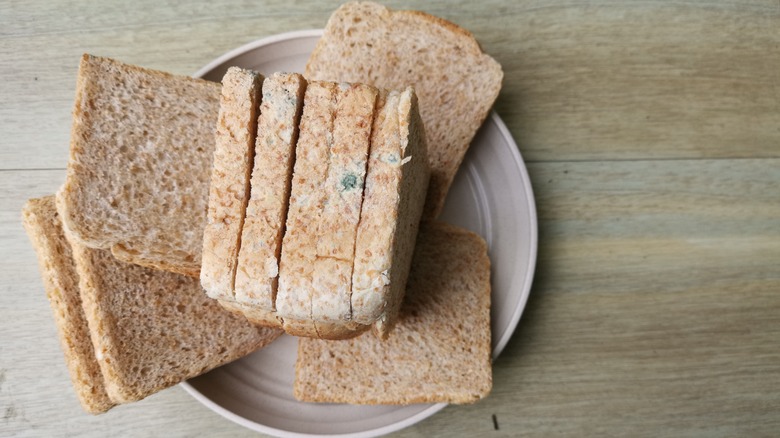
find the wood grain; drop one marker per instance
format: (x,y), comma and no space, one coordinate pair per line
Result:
(652,133)
(583,80)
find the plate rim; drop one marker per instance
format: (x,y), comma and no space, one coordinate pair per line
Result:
(533,233)
(502,342)
(276,38)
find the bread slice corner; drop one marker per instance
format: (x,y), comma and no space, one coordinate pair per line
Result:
(60,282)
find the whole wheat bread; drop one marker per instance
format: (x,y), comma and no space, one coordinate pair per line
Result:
(396,185)
(149,329)
(439,350)
(229,190)
(326,196)
(308,199)
(140,158)
(456,82)
(338,222)
(261,238)
(61,283)
(348,150)
(293,298)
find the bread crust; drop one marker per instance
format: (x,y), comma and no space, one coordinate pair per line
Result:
(230,180)
(307,198)
(396,186)
(456,82)
(119,158)
(60,281)
(325,202)
(261,238)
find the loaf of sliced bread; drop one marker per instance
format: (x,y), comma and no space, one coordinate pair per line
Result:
(61,283)
(456,82)
(393,201)
(261,238)
(439,351)
(149,329)
(343,265)
(140,158)
(230,178)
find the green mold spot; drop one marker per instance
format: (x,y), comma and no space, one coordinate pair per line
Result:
(349,182)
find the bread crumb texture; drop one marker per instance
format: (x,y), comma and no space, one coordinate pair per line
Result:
(456,82)
(439,350)
(61,283)
(229,190)
(140,159)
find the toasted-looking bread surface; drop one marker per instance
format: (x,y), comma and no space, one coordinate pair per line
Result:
(455,81)
(61,283)
(324,211)
(307,198)
(338,223)
(439,351)
(396,185)
(261,238)
(229,190)
(140,160)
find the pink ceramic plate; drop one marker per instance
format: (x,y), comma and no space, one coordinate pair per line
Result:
(491,195)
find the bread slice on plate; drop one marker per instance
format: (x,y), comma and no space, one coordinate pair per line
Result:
(229,191)
(327,193)
(140,158)
(357,194)
(338,223)
(149,329)
(456,82)
(61,283)
(293,298)
(396,185)
(440,349)
(261,238)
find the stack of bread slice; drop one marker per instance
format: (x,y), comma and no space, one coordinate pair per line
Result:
(128,331)
(321,248)
(297,204)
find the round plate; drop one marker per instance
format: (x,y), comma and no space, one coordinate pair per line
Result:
(491,195)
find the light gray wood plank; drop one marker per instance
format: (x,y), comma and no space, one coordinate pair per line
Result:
(583,80)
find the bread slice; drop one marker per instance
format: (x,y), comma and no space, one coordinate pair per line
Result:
(327,193)
(438,352)
(261,238)
(395,191)
(229,191)
(152,329)
(149,329)
(140,158)
(61,282)
(307,197)
(456,82)
(335,247)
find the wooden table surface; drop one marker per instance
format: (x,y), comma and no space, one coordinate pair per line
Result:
(651,131)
